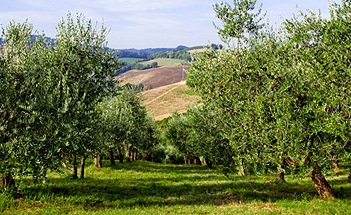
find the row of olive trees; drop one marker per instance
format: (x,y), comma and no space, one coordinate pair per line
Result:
(282,100)
(125,126)
(50,99)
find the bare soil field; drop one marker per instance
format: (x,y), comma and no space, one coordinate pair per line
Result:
(156,77)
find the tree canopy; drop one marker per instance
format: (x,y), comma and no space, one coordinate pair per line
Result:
(285,96)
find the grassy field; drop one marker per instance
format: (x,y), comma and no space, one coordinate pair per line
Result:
(149,188)
(129,60)
(165,62)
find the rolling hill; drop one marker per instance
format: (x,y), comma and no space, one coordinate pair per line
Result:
(155,77)
(163,101)
(165,90)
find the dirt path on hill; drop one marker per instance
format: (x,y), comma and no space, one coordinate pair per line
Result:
(165,93)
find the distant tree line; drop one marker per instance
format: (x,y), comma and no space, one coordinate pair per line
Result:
(181,52)
(136,66)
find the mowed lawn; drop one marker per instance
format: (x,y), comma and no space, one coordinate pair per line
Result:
(149,188)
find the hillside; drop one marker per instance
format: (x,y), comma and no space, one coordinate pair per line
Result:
(155,77)
(162,101)
(165,62)
(165,90)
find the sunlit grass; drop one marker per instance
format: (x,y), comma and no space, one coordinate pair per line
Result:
(149,188)
(165,62)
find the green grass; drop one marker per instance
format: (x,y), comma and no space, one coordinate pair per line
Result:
(187,91)
(165,62)
(149,188)
(130,60)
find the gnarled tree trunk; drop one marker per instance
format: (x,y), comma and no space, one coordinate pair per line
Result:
(207,163)
(241,171)
(189,161)
(323,188)
(135,153)
(129,158)
(145,156)
(197,161)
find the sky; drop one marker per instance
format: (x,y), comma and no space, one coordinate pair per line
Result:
(145,23)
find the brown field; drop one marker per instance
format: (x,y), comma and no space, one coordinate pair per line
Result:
(156,77)
(161,102)
(165,90)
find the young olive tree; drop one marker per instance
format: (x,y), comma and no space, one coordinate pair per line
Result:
(124,125)
(48,95)
(85,69)
(238,20)
(29,133)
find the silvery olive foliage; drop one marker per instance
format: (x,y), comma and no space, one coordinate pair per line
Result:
(48,94)
(285,94)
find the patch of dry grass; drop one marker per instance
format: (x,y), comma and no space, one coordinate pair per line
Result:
(162,101)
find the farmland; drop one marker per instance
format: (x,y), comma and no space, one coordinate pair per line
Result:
(165,62)
(129,60)
(259,127)
(162,101)
(156,77)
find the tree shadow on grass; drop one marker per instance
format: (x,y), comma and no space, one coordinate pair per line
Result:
(178,185)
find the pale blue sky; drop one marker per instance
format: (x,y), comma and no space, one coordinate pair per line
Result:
(145,23)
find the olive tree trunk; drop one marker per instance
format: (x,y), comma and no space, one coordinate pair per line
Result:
(145,156)
(111,158)
(336,165)
(129,158)
(82,166)
(120,157)
(281,176)
(207,163)
(321,184)
(98,161)
(74,167)
(8,181)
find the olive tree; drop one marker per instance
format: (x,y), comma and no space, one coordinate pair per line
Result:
(29,133)
(124,125)
(48,95)
(238,20)
(285,97)
(85,69)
